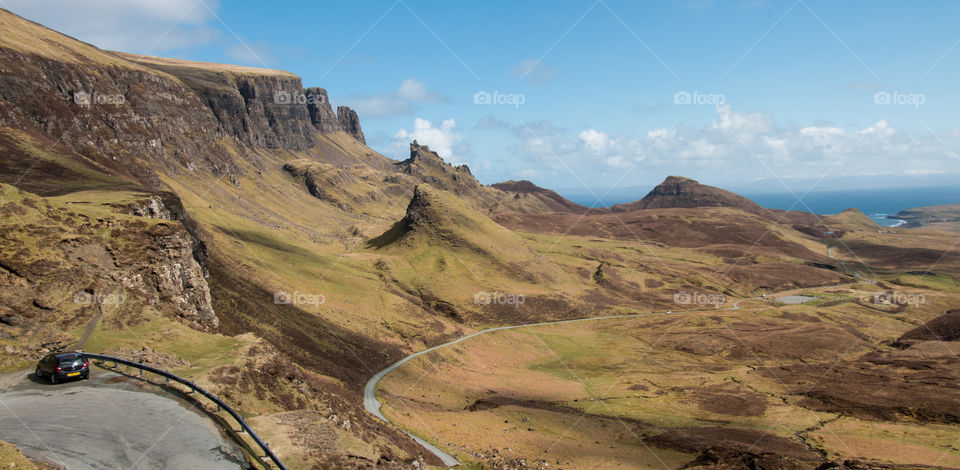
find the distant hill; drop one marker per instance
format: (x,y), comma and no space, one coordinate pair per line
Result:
(943,328)
(850,220)
(680,192)
(525,189)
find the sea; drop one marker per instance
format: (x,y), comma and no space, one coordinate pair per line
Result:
(875,203)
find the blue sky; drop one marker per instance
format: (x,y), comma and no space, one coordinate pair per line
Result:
(594,94)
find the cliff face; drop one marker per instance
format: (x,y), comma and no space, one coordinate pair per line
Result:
(76,263)
(350,123)
(116,116)
(321,114)
(260,108)
(132,116)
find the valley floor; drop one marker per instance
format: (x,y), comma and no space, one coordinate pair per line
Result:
(796,384)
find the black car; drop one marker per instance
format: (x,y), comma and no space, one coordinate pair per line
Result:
(63,366)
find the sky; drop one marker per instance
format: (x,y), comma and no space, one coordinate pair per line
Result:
(598,95)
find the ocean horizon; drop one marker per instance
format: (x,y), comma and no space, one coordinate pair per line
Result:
(877,204)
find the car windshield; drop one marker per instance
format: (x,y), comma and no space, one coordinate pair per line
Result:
(69,359)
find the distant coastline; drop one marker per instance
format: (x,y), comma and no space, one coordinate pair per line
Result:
(882,205)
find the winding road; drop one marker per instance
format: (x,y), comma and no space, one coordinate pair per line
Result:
(372,405)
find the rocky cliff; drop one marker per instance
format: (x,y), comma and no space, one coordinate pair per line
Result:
(350,123)
(131,115)
(75,262)
(427,166)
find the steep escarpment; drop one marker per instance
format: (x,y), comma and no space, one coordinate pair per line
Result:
(259,107)
(350,123)
(134,116)
(680,192)
(123,119)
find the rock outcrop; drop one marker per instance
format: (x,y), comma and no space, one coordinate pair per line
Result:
(427,166)
(350,123)
(78,263)
(321,113)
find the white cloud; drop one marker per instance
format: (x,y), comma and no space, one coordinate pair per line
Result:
(924,172)
(745,126)
(596,141)
(879,129)
(442,139)
(661,133)
(617,162)
(142,26)
(399,102)
(738,147)
(821,131)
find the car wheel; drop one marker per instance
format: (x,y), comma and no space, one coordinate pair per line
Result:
(38,373)
(53,379)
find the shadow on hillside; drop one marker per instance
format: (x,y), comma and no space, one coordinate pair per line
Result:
(393,234)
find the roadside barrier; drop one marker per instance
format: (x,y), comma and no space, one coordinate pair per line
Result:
(195,388)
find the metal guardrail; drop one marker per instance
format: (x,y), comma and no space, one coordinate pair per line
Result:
(194,387)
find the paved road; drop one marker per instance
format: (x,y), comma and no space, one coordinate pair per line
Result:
(372,405)
(109,422)
(855,273)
